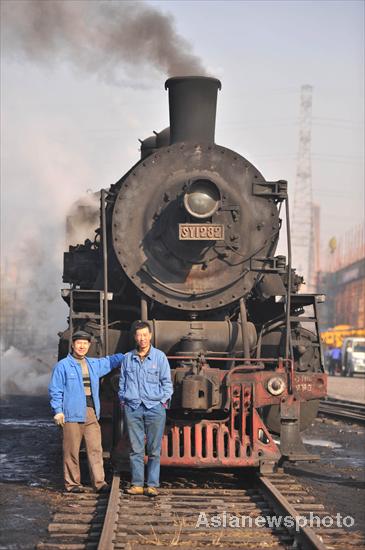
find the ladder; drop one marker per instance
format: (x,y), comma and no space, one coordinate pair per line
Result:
(304,300)
(86,305)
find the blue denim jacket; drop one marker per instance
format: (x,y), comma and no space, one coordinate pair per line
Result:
(147,382)
(66,388)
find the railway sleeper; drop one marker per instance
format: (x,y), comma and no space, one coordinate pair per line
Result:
(67,546)
(73,527)
(340,544)
(186,544)
(191,534)
(193,506)
(153,520)
(71,537)
(186,529)
(79,518)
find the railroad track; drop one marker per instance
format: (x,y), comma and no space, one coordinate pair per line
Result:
(214,510)
(344,410)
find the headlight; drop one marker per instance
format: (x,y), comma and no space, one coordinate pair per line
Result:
(202,199)
(276,385)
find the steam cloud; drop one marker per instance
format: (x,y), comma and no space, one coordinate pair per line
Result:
(82,220)
(23,374)
(98,37)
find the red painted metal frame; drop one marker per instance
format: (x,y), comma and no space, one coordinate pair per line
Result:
(234,442)
(243,439)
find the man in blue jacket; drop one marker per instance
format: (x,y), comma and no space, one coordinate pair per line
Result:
(145,388)
(74,398)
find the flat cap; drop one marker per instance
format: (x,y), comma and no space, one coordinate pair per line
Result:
(81,335)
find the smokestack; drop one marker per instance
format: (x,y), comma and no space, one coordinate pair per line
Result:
(193,103)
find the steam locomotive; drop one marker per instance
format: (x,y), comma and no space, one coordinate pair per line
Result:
(187,241)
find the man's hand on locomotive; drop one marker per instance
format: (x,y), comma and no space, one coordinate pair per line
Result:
(59,419)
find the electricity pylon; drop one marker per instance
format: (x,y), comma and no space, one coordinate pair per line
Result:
(302,225)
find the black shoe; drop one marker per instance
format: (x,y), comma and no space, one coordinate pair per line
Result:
(104,489)
(77,489)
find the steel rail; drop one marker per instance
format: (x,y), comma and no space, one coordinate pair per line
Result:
(347,410)
(111,516)
(306,537)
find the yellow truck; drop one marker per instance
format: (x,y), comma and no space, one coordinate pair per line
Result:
(334,337)
(350,344)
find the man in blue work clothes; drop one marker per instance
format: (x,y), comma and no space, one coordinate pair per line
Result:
(145,388)
(335,364)
(74,395)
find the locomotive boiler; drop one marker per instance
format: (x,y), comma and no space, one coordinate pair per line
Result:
(187,241)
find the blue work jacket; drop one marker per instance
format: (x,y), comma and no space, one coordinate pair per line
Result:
(147,381)
(66,388)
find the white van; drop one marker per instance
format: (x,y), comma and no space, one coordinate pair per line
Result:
(353,356)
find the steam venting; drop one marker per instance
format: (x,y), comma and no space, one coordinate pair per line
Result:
(99,37)
(24,374)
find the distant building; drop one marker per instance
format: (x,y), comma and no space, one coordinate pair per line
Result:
(345,296)
(344,283)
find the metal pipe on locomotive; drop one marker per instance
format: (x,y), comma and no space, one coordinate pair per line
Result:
(187,241)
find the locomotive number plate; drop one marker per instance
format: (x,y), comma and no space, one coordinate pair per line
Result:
(201,232)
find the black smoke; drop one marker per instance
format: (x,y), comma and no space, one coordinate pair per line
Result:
(97,37)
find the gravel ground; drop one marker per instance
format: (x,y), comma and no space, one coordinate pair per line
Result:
(31,469)
(339,477)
